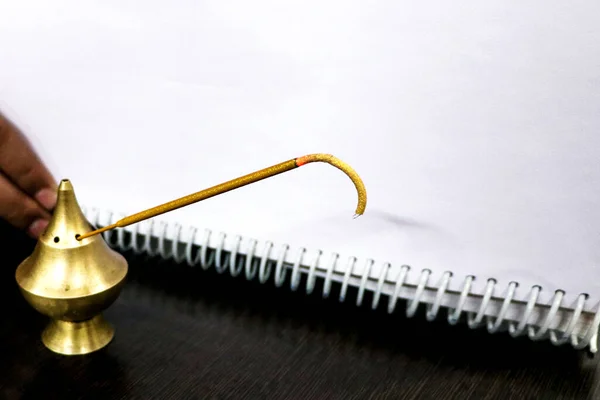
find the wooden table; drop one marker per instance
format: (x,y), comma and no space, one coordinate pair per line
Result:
(184,333)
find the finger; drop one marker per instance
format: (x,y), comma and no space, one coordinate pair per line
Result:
(20,210)
(20,163)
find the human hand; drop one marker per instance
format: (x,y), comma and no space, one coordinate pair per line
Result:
(27,189)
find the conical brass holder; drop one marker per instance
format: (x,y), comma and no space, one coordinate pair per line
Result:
(72,281)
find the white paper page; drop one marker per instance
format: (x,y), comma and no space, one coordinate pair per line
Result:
(475,127)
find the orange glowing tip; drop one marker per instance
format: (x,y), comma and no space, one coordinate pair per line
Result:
(243,181)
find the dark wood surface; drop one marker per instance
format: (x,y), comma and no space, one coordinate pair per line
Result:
(184,333)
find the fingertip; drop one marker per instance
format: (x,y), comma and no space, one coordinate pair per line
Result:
(37,227)
(47,198)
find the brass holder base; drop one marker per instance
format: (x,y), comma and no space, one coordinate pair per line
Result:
(74,338)
(72,281)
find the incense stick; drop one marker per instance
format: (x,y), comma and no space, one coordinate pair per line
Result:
(243,181)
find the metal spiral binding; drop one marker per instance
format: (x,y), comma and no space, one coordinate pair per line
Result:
(259,262)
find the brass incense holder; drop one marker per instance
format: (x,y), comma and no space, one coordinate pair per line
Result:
(73,276)
(72,281)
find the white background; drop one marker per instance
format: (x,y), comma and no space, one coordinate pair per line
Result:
(474,125)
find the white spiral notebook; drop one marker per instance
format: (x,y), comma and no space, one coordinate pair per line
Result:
(474,127)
